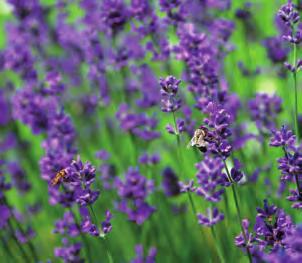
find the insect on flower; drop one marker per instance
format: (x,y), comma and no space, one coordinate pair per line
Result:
(199,139)
(60,175)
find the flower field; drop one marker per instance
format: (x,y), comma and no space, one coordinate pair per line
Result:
(150,131)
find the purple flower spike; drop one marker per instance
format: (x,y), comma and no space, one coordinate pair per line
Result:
(212,218)
(240,240)
(210,179)
(133,191)
(236,174)
(169,89)
(267,211)
(106,225)
(187,187)
(69,252)
(88,227)
(283,138)
(291,166)
(288,14)
(67,225)
(271,234)
(296,198)
(170,182)
(276,49)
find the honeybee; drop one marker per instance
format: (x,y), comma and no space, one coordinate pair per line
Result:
(199,139)
(60,175)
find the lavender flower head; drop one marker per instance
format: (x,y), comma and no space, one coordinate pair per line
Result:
(133,192)
(211,218)
(106,224)
(276,49)
(283,138)
(67,225)
(270,230)
(296,198)
(210,179)
(80,177)
(288,14)
(170,102)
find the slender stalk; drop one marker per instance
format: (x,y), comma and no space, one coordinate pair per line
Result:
(181,161)
(219,253)
(29,243)
(7,248)
(88,253)
(192,203)
(237,208)
(25,256)
(31,246)
(176,130)
(295,85)
(110,258)
(93,215)
(180,158)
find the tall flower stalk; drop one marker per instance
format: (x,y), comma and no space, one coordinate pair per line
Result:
(291,19)
(236,200)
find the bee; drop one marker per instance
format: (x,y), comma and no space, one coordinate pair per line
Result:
(60,175)
(199,139)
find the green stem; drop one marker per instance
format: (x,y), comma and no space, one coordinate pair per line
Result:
(109,256)
(296,91)
(180,159)
(93,215)
(88,253)
(192,203)
(237,208)
(219,253)
(25,256)
(110,259)
(29,243)
(7,248)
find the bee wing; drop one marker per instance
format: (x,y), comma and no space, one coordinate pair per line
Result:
(192,142)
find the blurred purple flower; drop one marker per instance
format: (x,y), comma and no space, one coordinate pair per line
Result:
(67,225)
(133,191)
(170,182)
(211,180)
(5,215)
(69,252)
(170,101)
(211,218)
(106,224)
(264,110)
(283,138)
(140,258)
